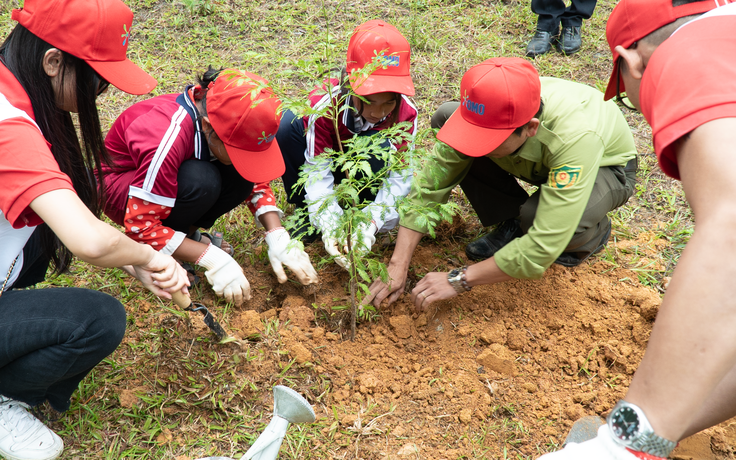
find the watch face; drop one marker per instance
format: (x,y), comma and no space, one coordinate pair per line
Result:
(625,423)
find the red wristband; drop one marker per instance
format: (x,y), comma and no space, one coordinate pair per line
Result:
(273,229)
(202,255)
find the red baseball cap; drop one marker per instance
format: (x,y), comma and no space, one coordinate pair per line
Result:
(97,31)
(245,114)
(497,96)
(632,20)
(377,39)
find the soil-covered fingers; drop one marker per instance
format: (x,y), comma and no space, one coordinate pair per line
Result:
(282,250)
(391,290)
(302,268)
(306,274)
(376,293)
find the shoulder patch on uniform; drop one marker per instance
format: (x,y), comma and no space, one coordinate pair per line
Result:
(564,176)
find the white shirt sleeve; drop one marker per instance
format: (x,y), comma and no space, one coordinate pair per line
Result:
(319,191)
(383,210)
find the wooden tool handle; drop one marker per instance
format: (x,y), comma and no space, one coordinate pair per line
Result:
(181,300)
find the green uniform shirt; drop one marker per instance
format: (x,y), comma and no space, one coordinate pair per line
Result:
(578,134)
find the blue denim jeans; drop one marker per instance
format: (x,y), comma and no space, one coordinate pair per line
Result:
(51,338)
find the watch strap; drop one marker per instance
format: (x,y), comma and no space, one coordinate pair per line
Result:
(457,280)
(646,441)
(653,444)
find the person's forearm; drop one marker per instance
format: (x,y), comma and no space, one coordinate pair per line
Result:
(691,346)
(692,350)
(270,220)
(190,250)
(84,235)
(406,243)
(486,272)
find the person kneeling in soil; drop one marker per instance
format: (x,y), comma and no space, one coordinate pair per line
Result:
(383,103)
(552,133)
(50,339)
(180,161)
(671,57)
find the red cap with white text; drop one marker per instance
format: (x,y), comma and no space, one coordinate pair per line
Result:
(497,96)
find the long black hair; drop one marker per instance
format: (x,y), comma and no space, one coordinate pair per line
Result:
(204,81)
(23,53)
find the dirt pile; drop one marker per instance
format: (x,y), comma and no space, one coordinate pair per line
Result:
(505,366)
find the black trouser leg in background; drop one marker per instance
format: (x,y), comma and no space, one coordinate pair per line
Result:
(552,12)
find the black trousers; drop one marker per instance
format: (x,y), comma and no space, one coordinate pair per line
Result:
(50,339)
(293,144)
(553,12)
(497,196)
(207,190)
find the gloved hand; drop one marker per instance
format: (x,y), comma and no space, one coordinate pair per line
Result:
(282,250)
(363,238)
(225,275)
(332,246)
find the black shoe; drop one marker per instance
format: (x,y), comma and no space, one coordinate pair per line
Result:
(570,40)
(573,259)
(540,43)
(484,247)
(302,234)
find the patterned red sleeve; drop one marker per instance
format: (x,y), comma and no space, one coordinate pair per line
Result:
(262,200)
(143,223)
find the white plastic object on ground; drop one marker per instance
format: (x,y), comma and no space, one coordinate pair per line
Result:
(288,407)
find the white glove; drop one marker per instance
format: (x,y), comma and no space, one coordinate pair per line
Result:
(225,275)
(363,238)
(281,250)
(332,246)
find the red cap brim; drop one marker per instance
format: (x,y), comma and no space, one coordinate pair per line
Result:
(469,139)
(385,83)
(257,167)
(125,75)
(611,88)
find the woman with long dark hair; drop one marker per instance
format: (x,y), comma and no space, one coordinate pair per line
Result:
(57,60)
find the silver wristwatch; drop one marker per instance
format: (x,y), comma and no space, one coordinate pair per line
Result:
(457,279)
(630,428)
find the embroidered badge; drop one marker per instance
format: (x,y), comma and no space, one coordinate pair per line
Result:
(564,176)
(126,35)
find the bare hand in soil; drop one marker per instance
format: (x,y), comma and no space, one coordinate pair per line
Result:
(392,290)
(431,288)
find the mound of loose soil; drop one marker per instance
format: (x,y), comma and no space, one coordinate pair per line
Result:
(506,366)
